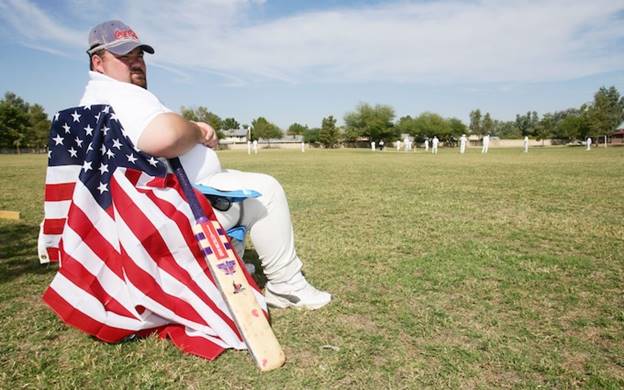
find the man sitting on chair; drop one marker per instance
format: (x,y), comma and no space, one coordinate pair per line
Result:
(117,78)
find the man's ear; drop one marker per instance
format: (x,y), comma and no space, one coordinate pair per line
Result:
(96,63)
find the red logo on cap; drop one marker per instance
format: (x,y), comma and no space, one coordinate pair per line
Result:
(125,34)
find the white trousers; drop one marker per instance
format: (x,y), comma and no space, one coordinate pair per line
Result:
(267,219)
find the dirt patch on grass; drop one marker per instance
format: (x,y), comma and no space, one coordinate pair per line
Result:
(574,361)
(358,322)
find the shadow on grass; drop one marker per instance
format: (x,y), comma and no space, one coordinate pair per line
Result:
(251,257)
(18,252)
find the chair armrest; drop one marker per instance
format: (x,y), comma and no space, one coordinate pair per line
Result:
(234,196)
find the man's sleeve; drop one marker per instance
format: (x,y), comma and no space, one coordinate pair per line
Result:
(136,108)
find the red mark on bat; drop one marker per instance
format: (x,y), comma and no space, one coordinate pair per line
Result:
(264,362)
(255,313)
(214,241)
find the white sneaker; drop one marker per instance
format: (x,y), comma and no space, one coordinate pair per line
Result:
(303,296)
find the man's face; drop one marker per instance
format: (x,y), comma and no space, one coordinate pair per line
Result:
(129,68)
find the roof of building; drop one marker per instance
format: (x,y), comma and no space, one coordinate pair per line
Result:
(235,132)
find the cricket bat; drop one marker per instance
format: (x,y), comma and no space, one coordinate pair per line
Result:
(223,262)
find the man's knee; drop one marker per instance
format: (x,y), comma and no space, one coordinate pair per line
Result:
(270,187)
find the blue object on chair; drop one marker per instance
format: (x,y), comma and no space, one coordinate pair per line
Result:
(237,233)
(234,196)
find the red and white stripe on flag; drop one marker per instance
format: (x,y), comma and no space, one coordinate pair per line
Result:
(134,266)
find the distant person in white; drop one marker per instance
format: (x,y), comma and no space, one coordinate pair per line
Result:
(486,143)
(407,144)
(434,145)
(255,146)
(525,144)
(118,78)
(302,146)
(381,145)
(248,147)
(373,146)
(398,145)
(589,142)
(462,144)
(426,144)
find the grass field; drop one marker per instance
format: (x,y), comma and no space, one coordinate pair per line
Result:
(448,271)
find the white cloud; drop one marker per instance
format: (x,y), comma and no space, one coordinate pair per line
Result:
(34,26)
(443,41)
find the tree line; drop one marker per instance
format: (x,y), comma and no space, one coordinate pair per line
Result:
(22,125)
(598,118)
(25,125)
(377,122)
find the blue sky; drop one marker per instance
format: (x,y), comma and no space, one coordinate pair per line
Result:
(298,61)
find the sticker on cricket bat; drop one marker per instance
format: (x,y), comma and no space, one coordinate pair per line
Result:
(214,241)
(238,287)
(229,267)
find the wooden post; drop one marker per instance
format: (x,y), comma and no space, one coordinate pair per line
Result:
(6,214)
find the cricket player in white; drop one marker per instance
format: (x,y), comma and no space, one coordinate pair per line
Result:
(525,144)
(426,144)
(589,143)
(118,78)
(434,145)
(462,144)
(486,143)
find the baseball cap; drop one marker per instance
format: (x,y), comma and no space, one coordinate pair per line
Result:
(116,37)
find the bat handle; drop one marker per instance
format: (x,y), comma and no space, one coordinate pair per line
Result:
(187,188)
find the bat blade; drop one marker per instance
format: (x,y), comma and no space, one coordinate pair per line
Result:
(239,295)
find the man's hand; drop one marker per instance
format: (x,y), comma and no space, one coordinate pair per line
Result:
(209,136)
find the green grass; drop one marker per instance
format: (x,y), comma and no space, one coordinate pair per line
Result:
(505,270)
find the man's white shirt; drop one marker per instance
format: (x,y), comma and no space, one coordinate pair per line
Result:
(135,108)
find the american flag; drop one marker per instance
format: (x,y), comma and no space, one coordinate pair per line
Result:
(121,229)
